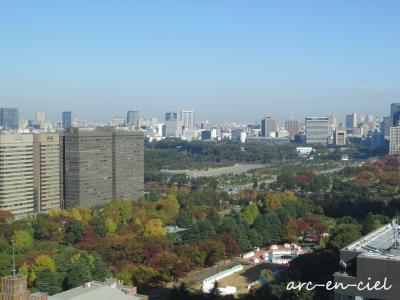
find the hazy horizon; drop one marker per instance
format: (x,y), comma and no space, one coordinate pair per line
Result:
(227,60)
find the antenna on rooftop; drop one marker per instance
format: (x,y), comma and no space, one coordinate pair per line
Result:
(395,225)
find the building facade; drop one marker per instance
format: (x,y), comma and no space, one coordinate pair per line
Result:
(340,137)
(102,164)
(46,171)
(317,130)
(16,174)
(132,118)
(187,117)
(394,140)
(269,127)
(351,122)
(9,118)
(41,119)
(293,127)
(375,257)
(66,119)
(395,114)
(171,115)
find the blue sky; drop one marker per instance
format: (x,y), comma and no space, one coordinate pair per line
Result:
(227,60)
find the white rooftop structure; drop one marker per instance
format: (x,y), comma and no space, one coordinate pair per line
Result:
(383,242)
(98,291)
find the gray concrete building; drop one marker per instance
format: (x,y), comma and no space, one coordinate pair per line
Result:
(269,127)
(375,257)
(102,164)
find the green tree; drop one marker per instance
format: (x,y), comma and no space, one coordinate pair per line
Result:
(250,212)
(22,240)
(48,281)
(5,264)
(99,269)
(345,234)
(79,274)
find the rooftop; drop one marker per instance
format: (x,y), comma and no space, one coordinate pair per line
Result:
(383,242)
(96,291)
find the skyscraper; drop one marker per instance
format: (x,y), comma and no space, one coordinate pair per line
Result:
(269,127)
(132,118)
(41,119)
(102,164)
(66,119)
(293,127)
(16,174)
(351,122)
(187,117)
(9,118)
(29,173)
(395,113)
(46,171)
(386,124)
(317,130)
(173,124)
(171,115)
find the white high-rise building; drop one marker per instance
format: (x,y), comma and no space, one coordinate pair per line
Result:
(187,117)
(394,146)
(16,174)
(317,130)
(41,119)
(29,173)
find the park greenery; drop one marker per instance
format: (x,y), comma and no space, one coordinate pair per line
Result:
(179,155)
(66,248)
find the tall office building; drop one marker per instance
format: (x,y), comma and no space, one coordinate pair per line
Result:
(173,124)
(41,119)
(293,127)
(102,164)
(317,130)
(173,128)
(16,174)
(269,127)
(395,113)
(46,171)
(132,118)
(385,126)
(394,140)
(171,115)
(351,122)
(29,173)
(187,117)
(339,137)
(66,119)
(9,118)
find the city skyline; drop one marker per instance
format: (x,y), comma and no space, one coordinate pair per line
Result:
(245,62)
